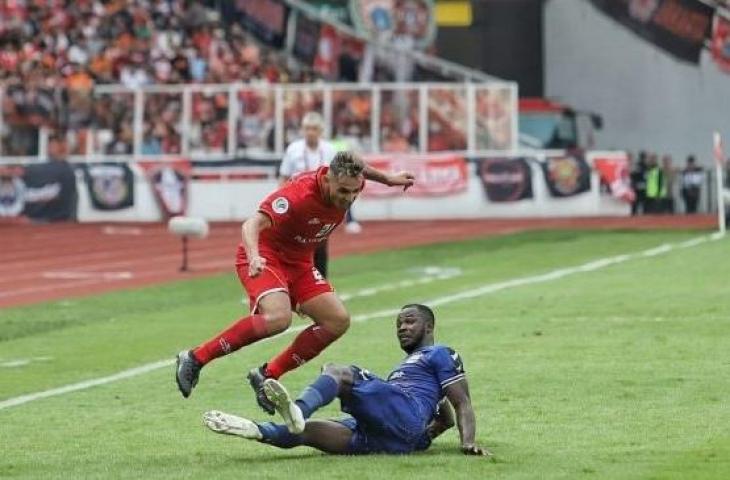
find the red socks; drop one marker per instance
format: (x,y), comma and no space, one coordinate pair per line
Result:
(308,344)
(245,331)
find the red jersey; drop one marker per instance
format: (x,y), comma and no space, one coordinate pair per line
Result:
(301,219)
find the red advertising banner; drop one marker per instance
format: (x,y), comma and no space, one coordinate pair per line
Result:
(613,169)
(435,176)
(170,183)
(721,42)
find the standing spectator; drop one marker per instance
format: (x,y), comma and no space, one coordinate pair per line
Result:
(691,179)
(656,187)
(67,201)
(667,200)
(638,184)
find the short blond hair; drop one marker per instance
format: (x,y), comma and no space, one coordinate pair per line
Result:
(313,119)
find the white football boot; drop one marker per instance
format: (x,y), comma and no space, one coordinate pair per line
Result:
(227,424)
(289,411)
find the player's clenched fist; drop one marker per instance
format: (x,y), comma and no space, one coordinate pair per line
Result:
(256,266)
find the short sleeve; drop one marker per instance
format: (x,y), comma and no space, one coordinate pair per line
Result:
(448,366)
(277,206)
(286,169)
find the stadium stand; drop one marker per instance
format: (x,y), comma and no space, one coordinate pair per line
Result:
(52,54)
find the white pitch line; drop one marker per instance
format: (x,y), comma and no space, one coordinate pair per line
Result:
(76,275)
(443,274)
(466,294)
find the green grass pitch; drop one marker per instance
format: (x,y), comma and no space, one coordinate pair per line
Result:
(620,373)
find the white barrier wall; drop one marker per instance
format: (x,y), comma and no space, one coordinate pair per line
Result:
(236,200)
(648,99)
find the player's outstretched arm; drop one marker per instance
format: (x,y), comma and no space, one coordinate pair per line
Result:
(443,420)
(400,179)
(250,233)
(458,395)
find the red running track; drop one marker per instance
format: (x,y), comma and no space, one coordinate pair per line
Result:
(56,261)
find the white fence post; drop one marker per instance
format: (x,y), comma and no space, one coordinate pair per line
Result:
(43,143)
(185,120)
(423,118)
(279,119)
(471,119)
(138,120)
(375,119)
(515,137)
(233,109)
(327,110)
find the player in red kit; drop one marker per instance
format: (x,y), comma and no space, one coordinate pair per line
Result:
(275,265)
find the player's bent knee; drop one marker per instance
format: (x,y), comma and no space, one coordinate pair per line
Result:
(339,324)
(278,321)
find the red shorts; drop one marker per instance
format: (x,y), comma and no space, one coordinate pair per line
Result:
(301,281)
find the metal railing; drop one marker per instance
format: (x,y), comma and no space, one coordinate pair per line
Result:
(225,121)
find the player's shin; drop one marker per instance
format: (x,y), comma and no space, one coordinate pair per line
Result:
(244,332)
(279,435)
(317,395)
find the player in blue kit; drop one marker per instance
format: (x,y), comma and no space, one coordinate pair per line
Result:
(399,415)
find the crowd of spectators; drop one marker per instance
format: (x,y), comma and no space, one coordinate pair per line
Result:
(53,53)
(58,58)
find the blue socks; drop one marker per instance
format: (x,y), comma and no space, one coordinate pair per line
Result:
(278,435)
(317,395)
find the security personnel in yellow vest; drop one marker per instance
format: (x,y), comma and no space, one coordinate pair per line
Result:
(656,186)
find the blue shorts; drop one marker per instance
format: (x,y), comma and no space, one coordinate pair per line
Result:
(384,418)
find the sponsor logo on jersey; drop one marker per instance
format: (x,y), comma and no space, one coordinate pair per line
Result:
(396,375)
(315,221)
(413,358)
(301,239)
(280,205)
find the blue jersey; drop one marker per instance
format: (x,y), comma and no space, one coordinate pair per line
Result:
(425,373)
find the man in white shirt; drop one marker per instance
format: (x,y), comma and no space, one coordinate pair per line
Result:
(307,154)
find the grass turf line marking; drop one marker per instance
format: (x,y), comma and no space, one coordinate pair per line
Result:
(466,294)
(76,275)
(432,274)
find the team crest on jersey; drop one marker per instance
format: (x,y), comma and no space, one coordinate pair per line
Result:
(280,205)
